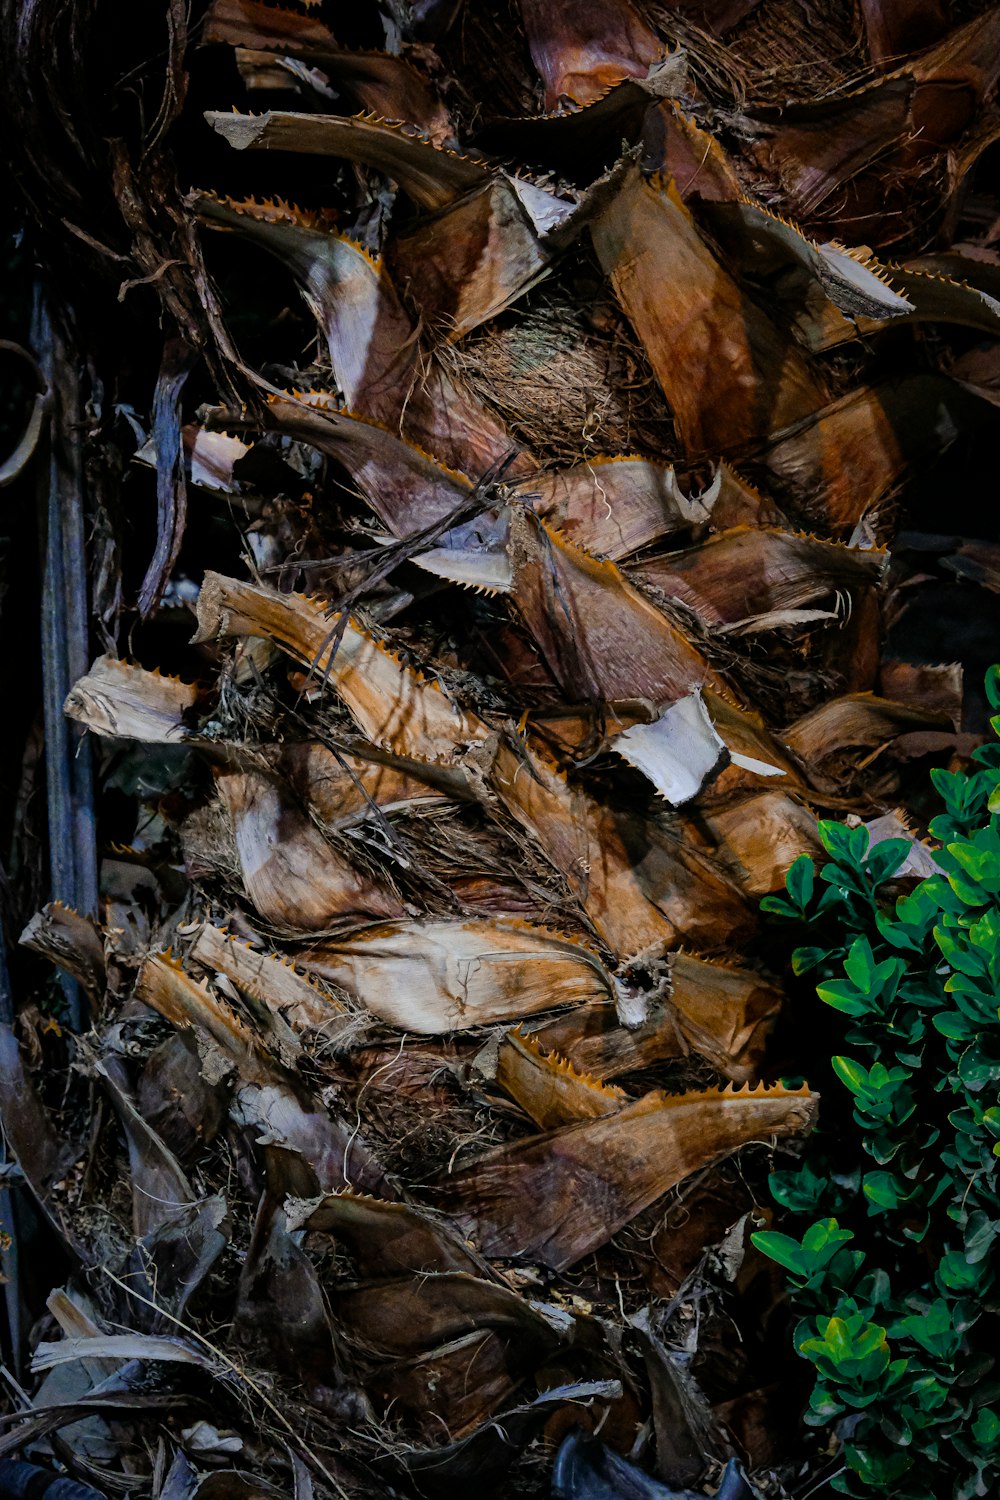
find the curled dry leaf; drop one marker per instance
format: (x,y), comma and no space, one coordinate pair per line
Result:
(933,298)
(404,486)
(122,1346)
(814,148)
(266,1096)
(42,1155)
(405,1316)
(185,1108)
(578,142)
(371,340)
(485,1455)
(252,23)
(342,790)
(432,176)
(281,1304)
(721,1012)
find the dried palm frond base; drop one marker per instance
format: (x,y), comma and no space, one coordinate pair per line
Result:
(528,460)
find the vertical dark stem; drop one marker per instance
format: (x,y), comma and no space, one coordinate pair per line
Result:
(72,852)
(8,1205)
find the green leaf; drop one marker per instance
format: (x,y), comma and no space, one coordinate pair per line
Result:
(799,881)
(886,858)
(842,995)
(777,906)
(804,959)
(852,1074)
(986,1428)
(859,965)
(780,1247)
(848,846)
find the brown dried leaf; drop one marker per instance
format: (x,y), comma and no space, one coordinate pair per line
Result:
(252,23)
(159,1185)
(266,1097)
(372,342)
(342,790)
(934,687)
(430,175)
(642,888)
(838,464)
(468,1378)
(407,1315)
(123,700)
(548,1087)
(390,702)
(593,1040)
(42,1155)
(378,83)
(404,486)
(724,1013)
(387,1238)
(897,27)
(176,1099)
(612,507)
(470,262)
(580,52)
(859,720)
(820,145)
(759,837)
(295,878)
(557,1197)
(751,571)
(600,637)
(72,941)
(430,977)
(267,978)
(281,1303)
(729,374)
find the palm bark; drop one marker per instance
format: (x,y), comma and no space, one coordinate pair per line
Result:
(512,443)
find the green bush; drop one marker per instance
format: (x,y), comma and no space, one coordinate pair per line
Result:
(894,1281)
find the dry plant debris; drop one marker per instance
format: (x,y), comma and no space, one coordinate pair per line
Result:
(542,415)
